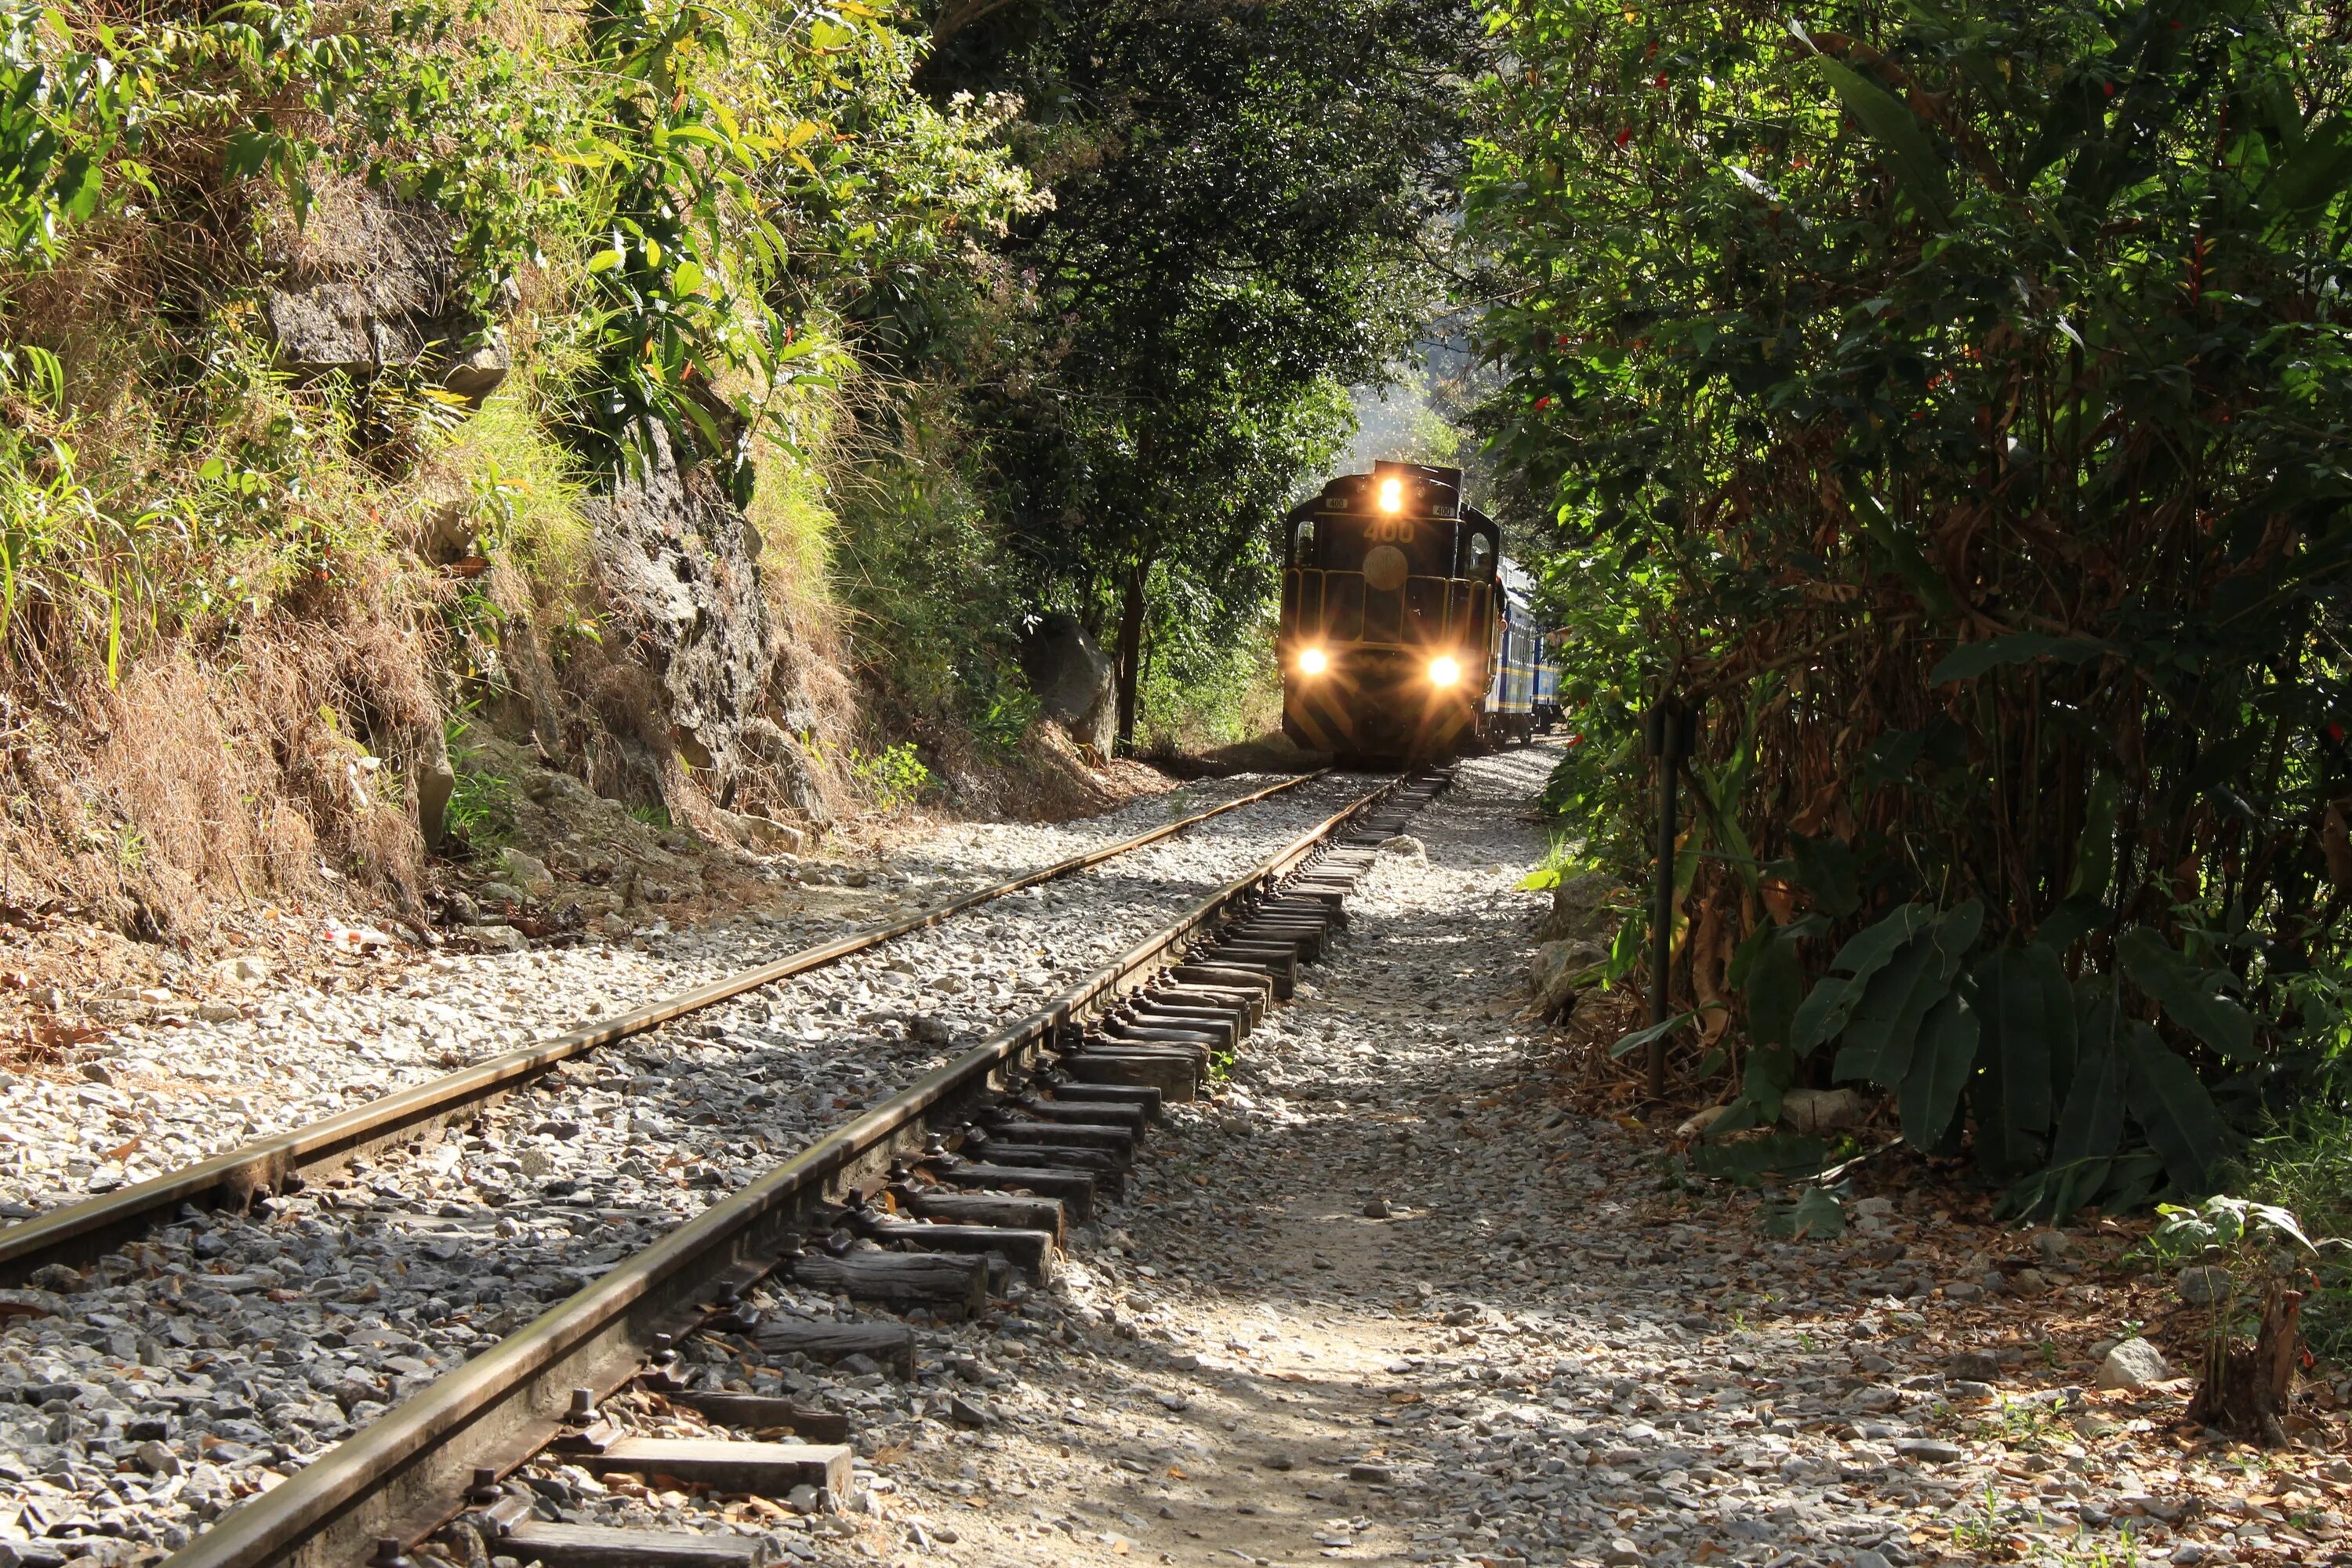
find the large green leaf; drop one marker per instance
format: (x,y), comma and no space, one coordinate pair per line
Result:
(2313,175)
(2178,1114)
(1765,973)
(1778,1155)
(1824,867)
(1822,1015)
(1888,121)
(2091,1127)
(2095,854)
(1971,660)
(1904,554)
(1817,1213)
(1883,1031)
(2190,996)
(2026,1012)
(1940,1065)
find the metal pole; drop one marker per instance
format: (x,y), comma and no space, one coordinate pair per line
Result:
(1666,737)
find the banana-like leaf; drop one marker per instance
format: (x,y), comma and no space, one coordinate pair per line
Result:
(1776,1156)
(1765,973)
(1822,1015)
(1824,867)
(2026,1011)
(2095,855)
(1889,121)
(1904,554)
(2172,1106)
(1816,1214)
(1940,1065)
(2090,1128)
(2190,996)
(2313,175)
(1970,661)
(1883,1031)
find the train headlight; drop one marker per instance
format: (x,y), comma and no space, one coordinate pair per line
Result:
(1392,495)
(1312,662)
(1444,671)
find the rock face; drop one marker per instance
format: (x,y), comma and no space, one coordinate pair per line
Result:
(370,286)
(1073,678)
(676,557)
(769,745)
(2202,1285)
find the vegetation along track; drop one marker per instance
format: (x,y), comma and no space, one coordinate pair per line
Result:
(962,1175)
(227,1352)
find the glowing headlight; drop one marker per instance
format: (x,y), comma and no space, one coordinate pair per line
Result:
(1443,672)
(1312,662)
(1392,495)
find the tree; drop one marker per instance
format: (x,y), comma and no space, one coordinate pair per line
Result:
(1245,201)
(1955,403)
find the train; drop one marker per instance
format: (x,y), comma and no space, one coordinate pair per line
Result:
(1406,635)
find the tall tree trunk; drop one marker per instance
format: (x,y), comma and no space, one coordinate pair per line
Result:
(1129,654)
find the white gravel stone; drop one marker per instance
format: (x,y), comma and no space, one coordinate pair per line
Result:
(2135,1363)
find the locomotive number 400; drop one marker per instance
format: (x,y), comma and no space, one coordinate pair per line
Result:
(1390,530)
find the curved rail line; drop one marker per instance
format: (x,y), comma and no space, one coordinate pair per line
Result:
(407,1474)
(79,1232)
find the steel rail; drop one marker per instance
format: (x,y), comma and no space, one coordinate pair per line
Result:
(79,1232)
(405,1474)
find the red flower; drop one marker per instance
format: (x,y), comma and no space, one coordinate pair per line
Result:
(1560,342)
(2107,87)
(2336,733)
(1625,136)
(1542,404)
(1661,83)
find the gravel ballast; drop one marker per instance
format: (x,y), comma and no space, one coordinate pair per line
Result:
(1387,1299)
(154,1095)
(197,1365)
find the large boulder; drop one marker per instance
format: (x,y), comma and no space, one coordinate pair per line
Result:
(1581,908)
(1075,681)
(369,284)
(675,556)
(1561,971)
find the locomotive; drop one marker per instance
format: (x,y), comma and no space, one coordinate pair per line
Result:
(1405,634)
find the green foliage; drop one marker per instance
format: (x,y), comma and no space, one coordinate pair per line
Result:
(481,809)
(1199,693)
(1244,207)
(892,778)
(2302,1165)
(1955,404)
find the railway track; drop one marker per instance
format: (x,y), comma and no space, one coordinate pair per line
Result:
(934,1202)
(75,1233)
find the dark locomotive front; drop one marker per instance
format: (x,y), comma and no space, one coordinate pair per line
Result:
(1388,602)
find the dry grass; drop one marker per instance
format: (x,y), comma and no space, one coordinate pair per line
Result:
(221,774)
